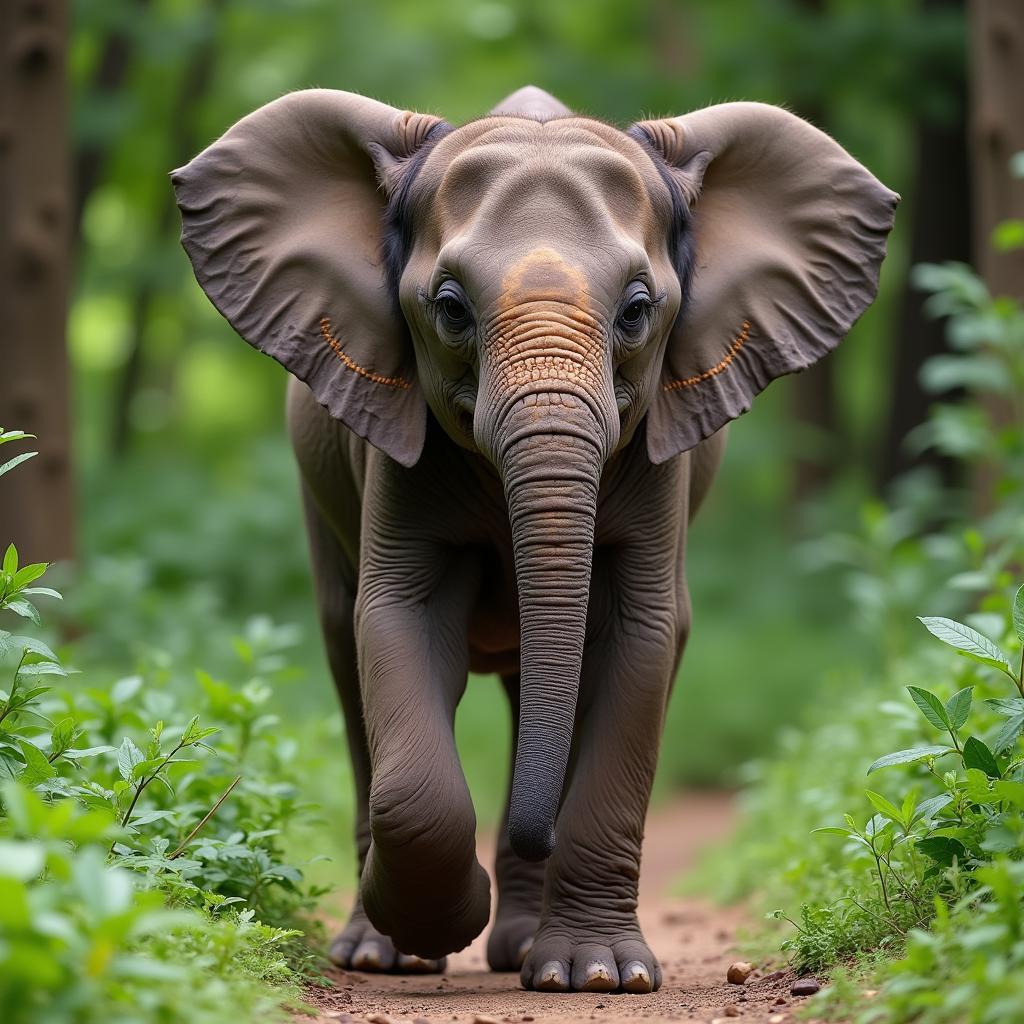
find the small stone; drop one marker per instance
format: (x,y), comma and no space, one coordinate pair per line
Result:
(805,987)
(776,1018)
(380,1018)
(421,1020)
(779,1001)
(739,972)
(482,1018)
(774,976)
(731,1011)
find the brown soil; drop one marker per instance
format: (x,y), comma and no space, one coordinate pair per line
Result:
(693,939)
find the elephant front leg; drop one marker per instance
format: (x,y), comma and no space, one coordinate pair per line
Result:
(421,884)
(589,937)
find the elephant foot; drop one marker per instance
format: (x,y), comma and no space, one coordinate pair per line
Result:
(510,940)
(425,918)
(360,947)
(560,961)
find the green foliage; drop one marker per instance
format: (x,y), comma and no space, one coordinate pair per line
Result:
(141,871)
(927,872)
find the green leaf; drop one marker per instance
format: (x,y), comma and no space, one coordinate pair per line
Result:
(26,609)
(958,707)
(193,733)
(832,830)
(884,806)
(16,461)
(28,574)
(1018,614)
(75,754)
(1008,734)
(927,809)
(931,707)
(10,563)
(967,641)
(1008,235)
(37,767)
(1008,706)
(977,786)
(909,756)
(42,668)
(144,767)
(13,435)
(942,849)
(63,735)
(128,756)
(33,646)
(43,592)
(977,755)
(1005,789)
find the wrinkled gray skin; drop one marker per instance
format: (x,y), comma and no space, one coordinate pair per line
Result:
(540,534)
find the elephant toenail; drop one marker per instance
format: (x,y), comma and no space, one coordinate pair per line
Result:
(524,948)
(368,957)
(415,964)
(551,978)
(598,979)
(636,978)
(339,953)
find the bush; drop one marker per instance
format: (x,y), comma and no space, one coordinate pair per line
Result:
(142,876)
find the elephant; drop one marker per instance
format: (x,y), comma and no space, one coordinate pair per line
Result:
(514,346)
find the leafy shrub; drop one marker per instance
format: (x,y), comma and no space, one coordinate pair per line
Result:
(922,895)
(142,874)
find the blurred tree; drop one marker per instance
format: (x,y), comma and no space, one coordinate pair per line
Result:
(118,53)
(35,216)
(997,134)
(181,143)
(939,208)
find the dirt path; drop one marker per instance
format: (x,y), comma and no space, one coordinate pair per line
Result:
(691,937)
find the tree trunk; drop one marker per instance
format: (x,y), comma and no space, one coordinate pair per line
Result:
(996,133)
(36,501)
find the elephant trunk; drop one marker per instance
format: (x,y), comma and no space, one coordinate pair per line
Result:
(550,462)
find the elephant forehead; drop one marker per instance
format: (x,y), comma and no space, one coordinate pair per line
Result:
(521,174)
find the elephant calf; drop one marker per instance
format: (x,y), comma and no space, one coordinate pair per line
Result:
(514,345)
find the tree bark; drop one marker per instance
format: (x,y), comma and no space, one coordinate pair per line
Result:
(997,132)
(36,500)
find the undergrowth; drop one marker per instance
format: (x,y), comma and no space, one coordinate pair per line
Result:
(142,870)
(901,873)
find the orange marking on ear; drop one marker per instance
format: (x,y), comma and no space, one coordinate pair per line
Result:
(688,382)
(391,382)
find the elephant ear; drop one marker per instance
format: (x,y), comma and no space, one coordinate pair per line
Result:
(282,218)
(788,232)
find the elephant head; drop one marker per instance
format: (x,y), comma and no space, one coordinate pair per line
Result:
(546,285)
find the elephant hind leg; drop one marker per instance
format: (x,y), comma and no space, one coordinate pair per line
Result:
(520,882)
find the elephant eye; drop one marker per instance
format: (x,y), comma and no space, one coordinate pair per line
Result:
(635,310)
(452,310)
(633,315)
